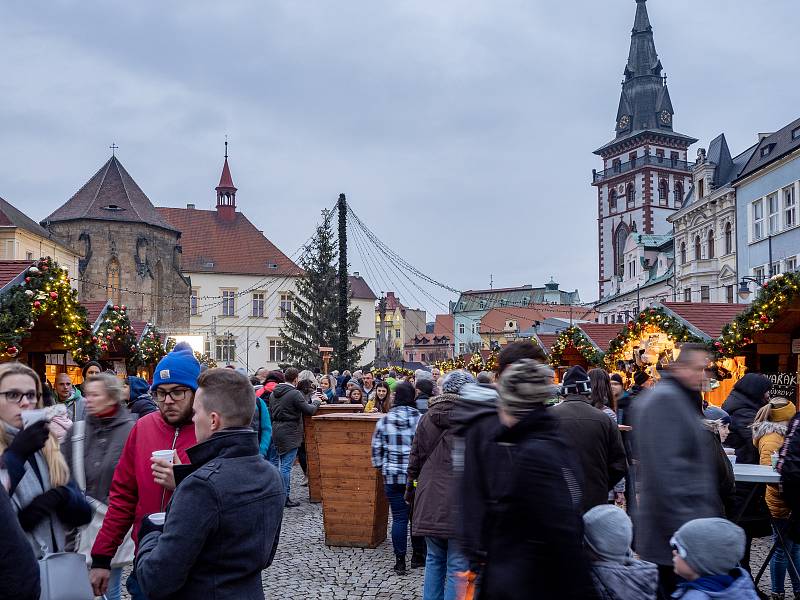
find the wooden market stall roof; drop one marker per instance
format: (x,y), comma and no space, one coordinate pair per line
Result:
(12,272)
(600,334)
(95,309)
(706,318)
(546,340)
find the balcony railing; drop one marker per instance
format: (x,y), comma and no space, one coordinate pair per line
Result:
(640,161)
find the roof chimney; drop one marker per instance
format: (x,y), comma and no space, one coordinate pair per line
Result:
(190,206)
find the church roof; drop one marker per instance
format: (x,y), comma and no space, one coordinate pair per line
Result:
(214,245)
(110,195)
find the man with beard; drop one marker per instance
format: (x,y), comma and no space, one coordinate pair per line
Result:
(142,484)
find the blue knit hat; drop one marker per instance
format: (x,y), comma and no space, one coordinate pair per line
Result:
(178,367)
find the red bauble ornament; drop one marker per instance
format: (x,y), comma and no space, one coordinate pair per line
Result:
(37,304)
(94,339)
(764,318)
(104,347)
(27,280)
(117,328)
(123,307)
(115,307)
(12,351)
(53,295)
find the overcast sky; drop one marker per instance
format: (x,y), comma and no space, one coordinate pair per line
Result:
(461,132)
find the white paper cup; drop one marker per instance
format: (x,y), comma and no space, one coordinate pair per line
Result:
(29,417)
(157,518)
(732,458)
(166,455)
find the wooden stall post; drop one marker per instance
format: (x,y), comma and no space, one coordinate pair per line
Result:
(355,511)
(312,450)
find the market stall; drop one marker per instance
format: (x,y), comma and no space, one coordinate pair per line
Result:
(150,349)
(41,321)
(581,344)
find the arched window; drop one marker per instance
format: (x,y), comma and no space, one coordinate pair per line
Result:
(114,281)
(698,253)
(630,196)
(612,200)
(678,194)
(683,253)
(663,192)
(711,244)
(728,238)
(620,237)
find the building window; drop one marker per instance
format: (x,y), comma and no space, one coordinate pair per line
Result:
(683,253)
(775,268)
(258,304)
(29,256)
(475,328)
(705,293)
(193,301)
(728,238)
(660,155)
(701,188)
(462,329)
(729,294)
(758,219)
(225,349)
(774,216)
(766,150)
(687,294)
(632,159)
(796,133)
(620,237)
(277,351)
(711,244)
(630,196)
(286,304)
(616,165)
(114,281)
(790,264)
(758,273)
(228,303)
(673,158)
(612,200)
(698,248)
(789,207)
(678,194)
(663,192)
(397,334)
(462,348)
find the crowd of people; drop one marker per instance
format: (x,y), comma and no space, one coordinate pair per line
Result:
(508,485)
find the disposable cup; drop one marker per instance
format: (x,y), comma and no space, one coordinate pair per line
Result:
(157,518)
(29,417)
(732,458)
(166,455)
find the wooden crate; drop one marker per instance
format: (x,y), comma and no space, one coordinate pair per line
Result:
(355,511)
(312,453)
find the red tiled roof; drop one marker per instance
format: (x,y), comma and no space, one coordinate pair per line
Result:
(601,333)
(547,339)
(708,317)
(213,245)
(94,309)
(10,269)
(138,328)
(225,180)
(393,302)
(494,321)
(110,195)
(359,288)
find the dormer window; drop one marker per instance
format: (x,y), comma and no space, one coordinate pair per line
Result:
(112,207)
(272,266)
(766,150)
(796,133)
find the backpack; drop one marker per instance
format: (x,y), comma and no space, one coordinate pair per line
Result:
(255,424)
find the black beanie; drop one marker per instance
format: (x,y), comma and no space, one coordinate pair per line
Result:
(640,378)
(576,381)
(616,377)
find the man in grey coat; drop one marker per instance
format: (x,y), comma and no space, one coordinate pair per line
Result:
(678,478)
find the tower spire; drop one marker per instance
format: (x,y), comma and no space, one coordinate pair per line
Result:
(226,191)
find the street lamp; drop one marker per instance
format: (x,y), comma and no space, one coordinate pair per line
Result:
(744,288)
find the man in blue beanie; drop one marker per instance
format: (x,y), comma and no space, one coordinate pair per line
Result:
(142,484)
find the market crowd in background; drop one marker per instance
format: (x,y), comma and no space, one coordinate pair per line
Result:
(508,485)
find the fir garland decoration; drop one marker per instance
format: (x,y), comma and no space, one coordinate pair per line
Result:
(115,332)
(574,337)
(150,350)
(649,320)
(45,291)
(775,295)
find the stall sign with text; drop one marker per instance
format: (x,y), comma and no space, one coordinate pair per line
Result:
(784,385)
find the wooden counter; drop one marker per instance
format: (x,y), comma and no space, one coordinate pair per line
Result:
(312,452)
(355,511)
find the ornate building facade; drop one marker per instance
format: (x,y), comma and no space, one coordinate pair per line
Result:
(128,252)
(645,173)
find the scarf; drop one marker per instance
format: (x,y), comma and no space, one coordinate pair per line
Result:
(709,583)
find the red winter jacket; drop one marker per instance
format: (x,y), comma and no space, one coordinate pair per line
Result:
(133,492)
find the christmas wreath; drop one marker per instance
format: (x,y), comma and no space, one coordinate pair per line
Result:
(45,290)
(573,336)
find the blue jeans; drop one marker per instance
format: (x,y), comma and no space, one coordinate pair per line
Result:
(283,462)
(779,563)
(442,563)
(114,591)
(395,493)
(134,590)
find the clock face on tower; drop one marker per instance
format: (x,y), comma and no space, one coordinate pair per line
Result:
(665,117)
(624,121)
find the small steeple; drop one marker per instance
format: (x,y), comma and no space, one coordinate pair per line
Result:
(226,191)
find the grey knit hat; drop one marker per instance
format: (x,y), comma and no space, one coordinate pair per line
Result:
(455,380)
(712,546)
(524,385)
(608,532)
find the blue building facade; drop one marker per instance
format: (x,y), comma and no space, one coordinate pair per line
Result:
(767,192)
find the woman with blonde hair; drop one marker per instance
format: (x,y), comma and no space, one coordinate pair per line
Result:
(45,499)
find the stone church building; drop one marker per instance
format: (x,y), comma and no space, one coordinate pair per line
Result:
(129,253)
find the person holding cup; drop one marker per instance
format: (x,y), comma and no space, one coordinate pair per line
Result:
(143,483)
(47,502)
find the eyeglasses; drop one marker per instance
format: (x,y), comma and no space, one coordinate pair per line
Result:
(17,397)
(177,394)
(680,550)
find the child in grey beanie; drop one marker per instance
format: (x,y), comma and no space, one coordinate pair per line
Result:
(607,535)
(705,553)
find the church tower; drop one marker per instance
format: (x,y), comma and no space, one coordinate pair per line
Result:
(645,173)
(226,192)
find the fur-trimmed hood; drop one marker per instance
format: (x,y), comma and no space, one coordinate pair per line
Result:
(766,427)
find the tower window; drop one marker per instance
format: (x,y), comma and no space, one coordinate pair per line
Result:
(612,200)
(113,281)
(728,238)
(616,165)
(678,194)
(683,253)
(620,237)
(663,192)
(698,248)
(711,244)
(632,159)
(630,196)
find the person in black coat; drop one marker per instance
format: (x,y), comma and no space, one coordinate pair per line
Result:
(521,497)
(19,571)
(223,522)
